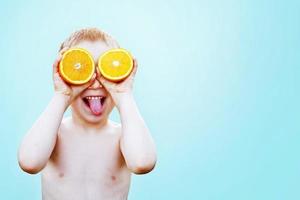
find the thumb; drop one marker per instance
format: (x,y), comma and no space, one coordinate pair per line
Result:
(82,87)
(91,81)
(103,81)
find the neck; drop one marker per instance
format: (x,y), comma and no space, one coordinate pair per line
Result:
(81,123)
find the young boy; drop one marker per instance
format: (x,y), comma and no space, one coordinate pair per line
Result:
(87,156)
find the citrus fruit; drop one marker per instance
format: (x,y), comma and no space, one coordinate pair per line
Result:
(76,66)
(115,64)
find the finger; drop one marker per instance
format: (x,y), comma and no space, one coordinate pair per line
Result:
(94,76)
(56,63)
(80,88)
(102,80)
(134,70)
(98,73)
(135,62)
(58,58)
(106,83)
(135,66)
(56,77)
(61,52)
(92,80)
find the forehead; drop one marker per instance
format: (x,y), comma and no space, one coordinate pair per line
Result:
(96,48)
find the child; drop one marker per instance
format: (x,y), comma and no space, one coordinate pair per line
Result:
(87,156)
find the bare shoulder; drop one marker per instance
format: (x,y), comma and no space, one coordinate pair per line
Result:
(115,127)
(65,124)
(114,124)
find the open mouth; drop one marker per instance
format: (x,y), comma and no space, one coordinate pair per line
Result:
(95,103)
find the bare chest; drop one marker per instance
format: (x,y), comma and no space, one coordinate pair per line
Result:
(90,159)
(86,168)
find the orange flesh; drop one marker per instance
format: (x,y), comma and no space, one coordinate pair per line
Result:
(115,64)
(77,66)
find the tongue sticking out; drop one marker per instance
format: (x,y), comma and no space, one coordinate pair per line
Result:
(95,106)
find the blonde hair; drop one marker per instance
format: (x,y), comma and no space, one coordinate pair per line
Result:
(88,34)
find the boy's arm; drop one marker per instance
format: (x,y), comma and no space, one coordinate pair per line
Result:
(38,144)
(136,143)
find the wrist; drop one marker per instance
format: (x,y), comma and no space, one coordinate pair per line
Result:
(123,99)
(62,99)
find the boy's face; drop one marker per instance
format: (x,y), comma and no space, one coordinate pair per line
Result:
(94,104)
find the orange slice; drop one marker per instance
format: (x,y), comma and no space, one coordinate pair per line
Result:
(115,64)
(76,66)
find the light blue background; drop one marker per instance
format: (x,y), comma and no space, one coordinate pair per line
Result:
(218,84)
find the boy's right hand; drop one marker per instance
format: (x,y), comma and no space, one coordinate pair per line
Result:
(61,87)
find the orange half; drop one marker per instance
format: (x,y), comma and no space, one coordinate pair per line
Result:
(115,64)
(76,66)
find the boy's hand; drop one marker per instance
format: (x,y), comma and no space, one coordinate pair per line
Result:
(119,90)
(61,87)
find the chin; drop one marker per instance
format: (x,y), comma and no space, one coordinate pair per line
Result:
(93,119)
(92,108)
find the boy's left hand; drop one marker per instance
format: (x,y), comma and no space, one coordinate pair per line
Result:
(119,90)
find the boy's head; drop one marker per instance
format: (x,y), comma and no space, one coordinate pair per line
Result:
(94,104)
(88,34)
